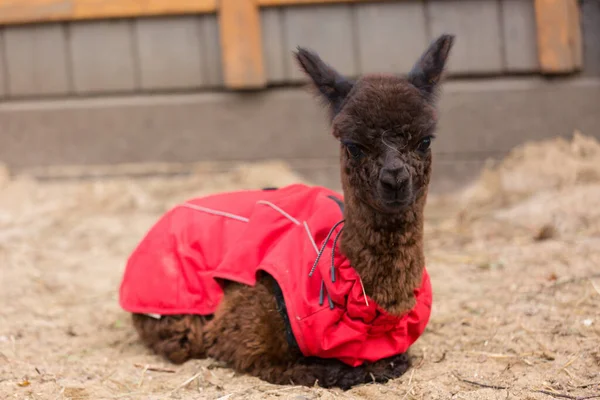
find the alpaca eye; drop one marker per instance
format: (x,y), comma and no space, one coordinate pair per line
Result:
(424,144)
(354,151)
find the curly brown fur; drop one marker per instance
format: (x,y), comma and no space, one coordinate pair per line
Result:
(176,337)
(385,125)
(247,334)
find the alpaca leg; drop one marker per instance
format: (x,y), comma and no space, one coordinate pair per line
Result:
(248,333)
(247,330)
(176,337)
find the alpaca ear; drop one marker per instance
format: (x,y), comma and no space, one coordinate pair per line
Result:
(333,87)
(426,74)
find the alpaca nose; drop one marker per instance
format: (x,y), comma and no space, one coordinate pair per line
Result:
(394,179)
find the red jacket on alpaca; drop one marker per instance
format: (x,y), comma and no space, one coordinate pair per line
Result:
(176,267)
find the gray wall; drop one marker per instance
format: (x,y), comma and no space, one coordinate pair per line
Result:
(116,56)
(590,21)
(183,53)
(480,119)
(493,37)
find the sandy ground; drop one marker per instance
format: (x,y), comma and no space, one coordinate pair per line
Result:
(513,260)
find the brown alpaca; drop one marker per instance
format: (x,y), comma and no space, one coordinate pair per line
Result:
(385,125)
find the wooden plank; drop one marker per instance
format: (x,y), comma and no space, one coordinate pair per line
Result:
(391,36)
(476,24)
(170,51)
(273,44)
(328,30)
(211,43)
(239,23)
(279,3)
(558,35)
(36,60)
(24,11)
(103,56)
(27,11)
(519,35)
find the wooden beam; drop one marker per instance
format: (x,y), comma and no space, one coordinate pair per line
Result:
(28,11)
(276,3)
(558,35)
(241,44)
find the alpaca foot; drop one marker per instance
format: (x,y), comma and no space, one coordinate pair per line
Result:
(333,373)
(178,338)
(337,374)
(389,368)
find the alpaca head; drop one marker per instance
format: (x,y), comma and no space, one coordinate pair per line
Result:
(385,125)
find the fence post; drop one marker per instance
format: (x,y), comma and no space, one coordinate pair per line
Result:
(558,35)
(241,44)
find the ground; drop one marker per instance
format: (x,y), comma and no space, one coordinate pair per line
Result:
(513,261)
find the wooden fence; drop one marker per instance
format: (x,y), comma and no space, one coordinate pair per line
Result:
(248,34)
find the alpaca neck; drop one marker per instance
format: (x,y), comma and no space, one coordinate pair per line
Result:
(386,251)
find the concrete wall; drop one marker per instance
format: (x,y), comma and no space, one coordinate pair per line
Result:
(111,92)
(478,120)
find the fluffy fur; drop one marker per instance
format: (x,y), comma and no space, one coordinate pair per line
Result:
(385,125)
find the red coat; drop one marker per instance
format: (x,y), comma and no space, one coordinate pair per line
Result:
(235,235)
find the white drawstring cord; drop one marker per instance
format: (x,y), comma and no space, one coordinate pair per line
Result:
(273,206)
(294,221)
(215,212)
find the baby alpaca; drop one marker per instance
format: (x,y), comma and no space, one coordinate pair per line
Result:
(299,285)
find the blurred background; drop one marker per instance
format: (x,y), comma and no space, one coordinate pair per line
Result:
(119,82)
(113,111)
